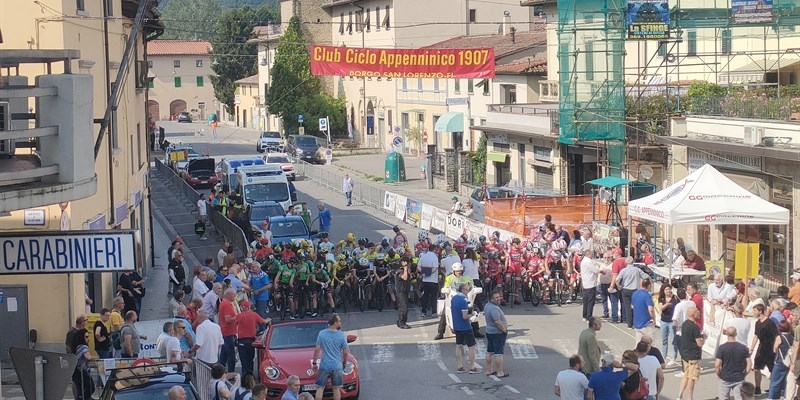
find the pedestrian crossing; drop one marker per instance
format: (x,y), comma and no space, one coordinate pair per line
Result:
(569,347)
(379,353)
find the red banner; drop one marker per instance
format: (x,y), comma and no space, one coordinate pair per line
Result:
(402,63)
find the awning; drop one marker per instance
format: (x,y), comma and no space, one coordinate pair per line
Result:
(540,164)
(450,122)
(496,156)
(610,181)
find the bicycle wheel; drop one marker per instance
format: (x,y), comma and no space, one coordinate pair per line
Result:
(559,292)
(380,297)
(536,292)
(284,306)
(301,304)
(362,298)
(512,292)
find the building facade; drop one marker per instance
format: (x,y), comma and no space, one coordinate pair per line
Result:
(98,33)
(247,103)
(179,72)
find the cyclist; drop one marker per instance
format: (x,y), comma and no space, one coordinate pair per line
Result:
(325,244)
(304,269)
(362,274)
(400,241)
(385,245)
(533,267)
(422,242)
(383,277)
(494,271)
(285,279)
(285,252)
(554,267)
(342,272)
(326,258)
(271,266)
(514,267)
(361,249)
(346,246)
(320,285)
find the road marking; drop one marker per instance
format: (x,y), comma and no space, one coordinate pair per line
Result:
(522,349)
(511,389)
(495,378)
(529,398)
(454,377)
(382,353)
(441,365)
(480,350)
(567,347)
(429,351)
(467,391)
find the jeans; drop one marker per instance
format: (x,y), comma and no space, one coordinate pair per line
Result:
(227,356)
(349,197)
(730,390)
(627,295)
(402,301)
(604,296)
(616,299)
(667,329)
(246,354)
(777,381)
(589,298)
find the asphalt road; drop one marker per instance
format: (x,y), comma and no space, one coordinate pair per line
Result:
(397,364)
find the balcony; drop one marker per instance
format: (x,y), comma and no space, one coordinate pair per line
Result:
(45,151)
(535,119)
(549,91)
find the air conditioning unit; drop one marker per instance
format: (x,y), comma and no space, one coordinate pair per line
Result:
(753,135)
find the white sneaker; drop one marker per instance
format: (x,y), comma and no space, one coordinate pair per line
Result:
(679,375)
(671,363)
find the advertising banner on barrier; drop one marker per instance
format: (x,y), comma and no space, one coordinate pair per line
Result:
(456,224)
(400,207)
(413,212)
(439,220)
(402,63)
(389,201)
(474,229)
(426,217)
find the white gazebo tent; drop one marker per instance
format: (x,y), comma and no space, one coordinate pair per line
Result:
(707,197)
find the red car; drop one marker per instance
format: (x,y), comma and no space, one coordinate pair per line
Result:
(287,349)
(201,172)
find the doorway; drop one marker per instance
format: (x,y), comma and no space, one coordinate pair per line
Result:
(13,319)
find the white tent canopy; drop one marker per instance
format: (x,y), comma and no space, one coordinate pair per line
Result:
(707,197)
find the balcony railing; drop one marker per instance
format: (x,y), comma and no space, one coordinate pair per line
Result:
(746,105)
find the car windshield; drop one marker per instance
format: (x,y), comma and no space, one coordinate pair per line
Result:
(158,392)
(294,336)
(294,227)
(193,153)
(272,135)
(277,191)
(306,141)
(277,159)
(262,213)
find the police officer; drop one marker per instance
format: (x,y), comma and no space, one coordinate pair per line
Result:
(403,282)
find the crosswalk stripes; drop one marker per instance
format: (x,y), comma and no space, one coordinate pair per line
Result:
(429,351)
(382,353)
(567,347)
(522,349)
(518,348)
(480,350)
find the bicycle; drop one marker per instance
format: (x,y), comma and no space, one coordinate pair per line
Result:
(512,291)
(533,289)
(361,294)
(302,299)
(379,295)
(282,304)
(557,290)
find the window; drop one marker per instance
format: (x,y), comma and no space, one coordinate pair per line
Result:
(341,23)
(502,147)
(435,84)
(419,84)
(350,23)
(359,21)
(457,86)
(176,63)
(109,8)
(691,37)
(405,84)
(662,49)
(200,82)
(470,86)
(386,19)
(366,23)
(727,41)
(542,153)
(80,5)
(177,80)
(149,64)
(198,63)
(377,18)
(473,15)
(150,84)
(589,61)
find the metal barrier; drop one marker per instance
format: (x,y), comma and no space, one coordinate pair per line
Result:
(232,233)
(201,376)
(369,195)
(178,183)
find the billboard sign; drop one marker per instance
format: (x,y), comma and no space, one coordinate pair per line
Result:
(751,12)
(67,252)
(648,19)
(402,63)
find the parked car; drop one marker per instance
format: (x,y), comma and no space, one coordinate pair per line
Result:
(146,382)
(184,116)
(288,228)
(201,172)
(180,165)
(479,196)
(284,160)
(306,148)
(269,142)
(260,211)
(287,349)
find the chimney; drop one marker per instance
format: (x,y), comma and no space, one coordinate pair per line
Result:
(513,35)
(506,20)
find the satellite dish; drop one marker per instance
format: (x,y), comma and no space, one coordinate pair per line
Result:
(605,195)
(646,171)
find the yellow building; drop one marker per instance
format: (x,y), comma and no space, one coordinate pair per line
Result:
(247,102)
(79,179)
(179,72)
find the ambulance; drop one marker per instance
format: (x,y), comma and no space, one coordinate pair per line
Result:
(263,183)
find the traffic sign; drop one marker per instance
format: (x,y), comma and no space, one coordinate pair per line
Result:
(397,142)
(396,130)
(323,124)
(300,118)
(425,136)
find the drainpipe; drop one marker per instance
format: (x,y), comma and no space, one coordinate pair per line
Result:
(107,70)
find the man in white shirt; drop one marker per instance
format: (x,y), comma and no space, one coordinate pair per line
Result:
(210,300)
(347,189)
(650,368)
(172,345)
(681,311)
(571,383)
(449,257)
(222,253)
(202,213)
(589,274)
(209,339)
(161,341)
(428,264)
(720,293)
(739,322)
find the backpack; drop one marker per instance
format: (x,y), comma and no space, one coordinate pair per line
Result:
(199,228)
(641,392)
(242,394)
(116,339)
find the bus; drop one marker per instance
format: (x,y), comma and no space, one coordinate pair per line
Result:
(230,166)
(263,183)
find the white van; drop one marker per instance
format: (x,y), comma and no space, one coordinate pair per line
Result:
(263,183)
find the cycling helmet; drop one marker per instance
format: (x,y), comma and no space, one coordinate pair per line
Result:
(458,267)
(271,257)
(341,257)
(320,264)
(396,229)
(445,244)
(351,237)
(423,234)
(515,241)
(533,246)
(391,252)
(363,242)
(380,257)
(323,249)
(385,241)
(460,240)
(323,235)
(441,238)
(278,248)
(294,260)
(482,238)
(370,244)
(363,261)
(302,254)
(472,243)
(496,234)
(305,243)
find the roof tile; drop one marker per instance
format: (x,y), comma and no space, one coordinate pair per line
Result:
(178,47)
(501,43)
(531,65)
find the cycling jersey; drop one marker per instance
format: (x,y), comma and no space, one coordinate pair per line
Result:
(325,245)
(346,247)
(357,252)
(287,254)
(321,276)
(285,274)
(340,271)
(381,268)
(303,270)
(361,272)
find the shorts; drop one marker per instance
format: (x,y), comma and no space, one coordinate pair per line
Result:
(495,342)
(465,337)
(691,369)
(555,274)
(764,360)
(515,270)
(497,277)
(336,377)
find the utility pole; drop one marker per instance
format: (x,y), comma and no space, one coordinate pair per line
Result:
(363,79)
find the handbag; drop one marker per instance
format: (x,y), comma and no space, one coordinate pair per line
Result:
(787,358)
(187,289)
(642,391)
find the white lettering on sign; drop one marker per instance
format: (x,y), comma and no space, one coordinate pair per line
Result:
(740,162)
(100,252)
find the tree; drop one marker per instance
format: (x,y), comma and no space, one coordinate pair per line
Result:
(295,91)
(190,19)
(232,57)
(479,162)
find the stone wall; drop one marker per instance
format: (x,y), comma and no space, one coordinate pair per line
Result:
(315,23)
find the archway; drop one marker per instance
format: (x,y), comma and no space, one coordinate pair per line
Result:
(176,107)
(154,110)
